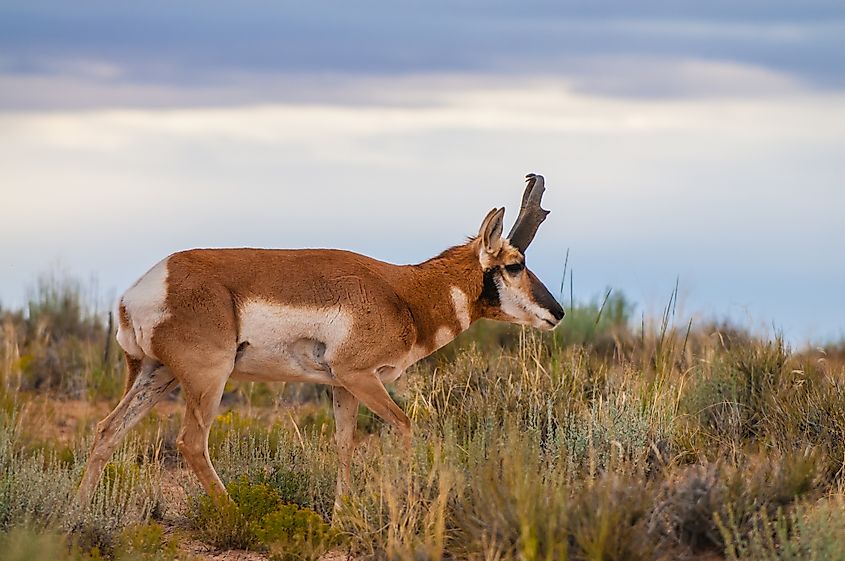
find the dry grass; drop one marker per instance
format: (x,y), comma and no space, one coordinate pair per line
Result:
(600,442)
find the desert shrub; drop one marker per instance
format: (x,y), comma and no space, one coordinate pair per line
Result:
(222,526)
(295,487)
(291,533)
(256,518)
(21,544)
(683,513)
(614,430)
(808,532)
(598,323)
(128,493)
(317,418)
(300,467)
(608,519)
(145,542)
(233,524)
(693,501)
(738,396)
(60,342)
(104,380)
(400,506)
(35,485)
(513,503)
(38,488)
(34,490)
(233,424)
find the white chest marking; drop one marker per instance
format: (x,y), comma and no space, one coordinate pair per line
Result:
(442,337)
(145,305)
(461,305)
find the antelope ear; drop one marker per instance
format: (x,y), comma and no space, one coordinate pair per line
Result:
(491,231)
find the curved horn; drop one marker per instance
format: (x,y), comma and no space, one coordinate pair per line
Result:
(531,215)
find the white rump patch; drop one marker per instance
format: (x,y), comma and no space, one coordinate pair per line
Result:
(461,305)
(146,307)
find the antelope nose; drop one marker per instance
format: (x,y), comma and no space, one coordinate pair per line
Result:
(558,312)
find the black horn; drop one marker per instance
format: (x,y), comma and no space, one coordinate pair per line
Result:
(531,215)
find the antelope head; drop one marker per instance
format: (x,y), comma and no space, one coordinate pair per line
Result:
(511,292)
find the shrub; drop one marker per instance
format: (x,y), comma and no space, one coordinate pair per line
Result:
(21,544)
(516,503)
(597,323)
(291,533)
(809,532)
(256,518)
(232,524)
(608,520)
(692,502)
(301,468)
(143,542)
(146,541)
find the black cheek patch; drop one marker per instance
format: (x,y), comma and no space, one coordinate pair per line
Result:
(490,292)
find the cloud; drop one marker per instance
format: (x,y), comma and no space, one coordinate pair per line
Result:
(740,196)
(693,138)
(160,54)
(622,76)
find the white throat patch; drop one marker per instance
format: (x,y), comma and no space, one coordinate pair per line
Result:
(518,306)
(461,305)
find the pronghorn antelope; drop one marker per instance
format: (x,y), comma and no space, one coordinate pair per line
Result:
(202,316)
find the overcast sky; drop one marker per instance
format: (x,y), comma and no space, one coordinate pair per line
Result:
(702,141)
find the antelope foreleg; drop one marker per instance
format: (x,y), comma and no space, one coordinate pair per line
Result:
(368,388)
(345,419)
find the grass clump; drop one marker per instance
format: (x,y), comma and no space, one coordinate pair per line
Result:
(808,532)
(141,542)
(291,533)
(145,541)
(300,466)
(256,518)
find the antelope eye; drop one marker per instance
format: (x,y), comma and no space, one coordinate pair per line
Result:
(514,268)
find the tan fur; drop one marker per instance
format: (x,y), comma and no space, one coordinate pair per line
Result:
(319,315)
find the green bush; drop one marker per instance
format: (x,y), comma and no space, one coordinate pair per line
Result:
(256,518)
(143,542)
(232,524)
(597,322)
(146,541)
(301,467)
(291,533)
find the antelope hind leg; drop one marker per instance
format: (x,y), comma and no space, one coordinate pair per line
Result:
(202,397)
(152,383)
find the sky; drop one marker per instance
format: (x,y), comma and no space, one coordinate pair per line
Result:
(694,141)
